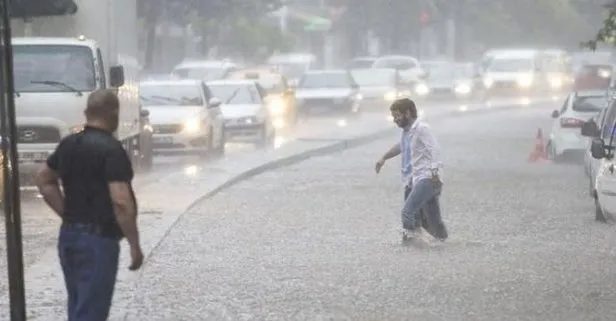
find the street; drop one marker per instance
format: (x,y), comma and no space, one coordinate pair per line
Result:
(318,240)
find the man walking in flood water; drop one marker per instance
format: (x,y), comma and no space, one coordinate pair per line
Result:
(421,173)
(97,206)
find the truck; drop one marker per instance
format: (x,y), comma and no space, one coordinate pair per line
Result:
(58,61)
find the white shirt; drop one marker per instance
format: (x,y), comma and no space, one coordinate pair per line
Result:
(425,152)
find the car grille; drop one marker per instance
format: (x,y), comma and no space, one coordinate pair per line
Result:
(38,135)
(505,85)
(241,121)
(167,129)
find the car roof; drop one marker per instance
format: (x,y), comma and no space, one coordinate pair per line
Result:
(236,82)
(171,82)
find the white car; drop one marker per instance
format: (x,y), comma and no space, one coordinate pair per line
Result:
(184,115)
(566,138)
(247,117)
(410,68)
(204,69)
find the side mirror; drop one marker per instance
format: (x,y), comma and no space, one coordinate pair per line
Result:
(116,76)
(214,102)
(597,148)
(555,114)
(589,129)
(145,113)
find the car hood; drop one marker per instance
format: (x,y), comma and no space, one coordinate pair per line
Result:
(509,76)
(172,114)
(237,111)
(323,93)
(375,91)
(41,108)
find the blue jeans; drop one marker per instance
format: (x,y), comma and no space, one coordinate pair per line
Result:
(422,207)
(90,266)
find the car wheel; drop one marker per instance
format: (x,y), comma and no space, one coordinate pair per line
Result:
(551,151)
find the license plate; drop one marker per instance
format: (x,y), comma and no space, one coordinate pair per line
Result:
(33,156)
(163,140)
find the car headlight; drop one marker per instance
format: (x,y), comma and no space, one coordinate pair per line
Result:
(463,89)
(604,73)
(390,96)
(556,82)
(192,125)
(525,81)
(488,82)
(277,106)
(422,89)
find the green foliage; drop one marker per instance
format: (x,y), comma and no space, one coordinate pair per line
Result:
(607,33)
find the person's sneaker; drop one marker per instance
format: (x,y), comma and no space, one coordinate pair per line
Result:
(410,235)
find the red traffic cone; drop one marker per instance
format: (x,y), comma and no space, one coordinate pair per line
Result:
(539,153)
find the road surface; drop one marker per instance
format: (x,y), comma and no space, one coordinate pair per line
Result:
(318,240)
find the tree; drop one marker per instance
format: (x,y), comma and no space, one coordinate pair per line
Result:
(607,32)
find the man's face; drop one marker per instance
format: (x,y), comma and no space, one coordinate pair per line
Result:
(401,119)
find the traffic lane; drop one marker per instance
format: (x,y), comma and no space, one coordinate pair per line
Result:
(319,240)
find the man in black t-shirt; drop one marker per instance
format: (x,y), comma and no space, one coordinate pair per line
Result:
(97,207)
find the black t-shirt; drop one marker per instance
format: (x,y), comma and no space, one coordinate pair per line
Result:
(86,163)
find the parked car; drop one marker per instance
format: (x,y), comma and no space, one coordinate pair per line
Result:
(329,90)
(280,97)
(184,115)
(379,87)
(602,179)
(247,117)
(565,137)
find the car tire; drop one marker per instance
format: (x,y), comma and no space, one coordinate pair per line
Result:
(551,152)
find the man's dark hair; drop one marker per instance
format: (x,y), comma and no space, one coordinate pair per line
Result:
(404,105)
(102,104)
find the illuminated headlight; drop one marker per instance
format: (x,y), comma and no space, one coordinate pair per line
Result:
(422,89)
(463,89)
(556,82)
(525,81)
(192,125)
(277,106)
(488,82)
(390,96)
(603,73)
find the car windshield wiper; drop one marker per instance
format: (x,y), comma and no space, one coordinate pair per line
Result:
(58,84)
(237,90)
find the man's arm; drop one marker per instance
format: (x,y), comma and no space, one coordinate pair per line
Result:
(392,152)
(118,173)
(432,148)
(47,184)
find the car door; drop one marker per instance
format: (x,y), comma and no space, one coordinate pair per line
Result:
(605,182)
(592,163)
(214,114)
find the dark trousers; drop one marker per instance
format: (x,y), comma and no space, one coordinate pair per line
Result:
(430,221)
(90,266)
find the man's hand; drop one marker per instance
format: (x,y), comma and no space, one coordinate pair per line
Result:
(436,180)
(136,258)
(379,165)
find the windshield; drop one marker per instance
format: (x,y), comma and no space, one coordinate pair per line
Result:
(442,73)
(373,77)
(589,103)
(324,80)
(360,63)
(205,73)
(511,65)
(170,95)
(235,94)
(70,65)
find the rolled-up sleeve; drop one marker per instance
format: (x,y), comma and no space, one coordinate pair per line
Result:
(432,148)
